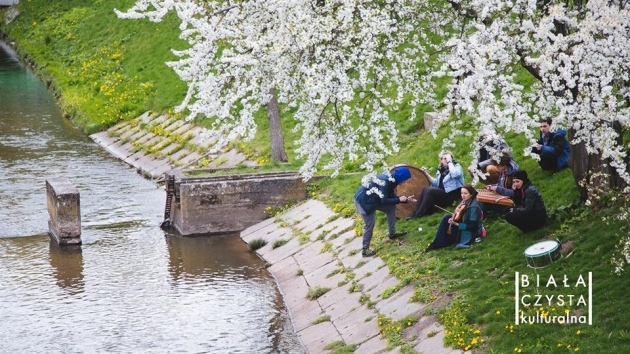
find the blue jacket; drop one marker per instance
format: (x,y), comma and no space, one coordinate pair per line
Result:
(557,145)
(370,201)
(471,223)
(452,181)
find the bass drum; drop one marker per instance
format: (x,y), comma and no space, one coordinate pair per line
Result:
(412,187)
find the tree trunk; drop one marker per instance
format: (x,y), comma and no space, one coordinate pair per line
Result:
(592,175)
(278,152)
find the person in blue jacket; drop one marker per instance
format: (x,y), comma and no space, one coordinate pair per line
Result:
(380,195)
(552,147)
(444,188)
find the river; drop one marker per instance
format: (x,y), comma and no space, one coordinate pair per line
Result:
(130,287)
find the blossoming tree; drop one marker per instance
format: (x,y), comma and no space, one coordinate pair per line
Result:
(578,54)
(336,63)
(340,66)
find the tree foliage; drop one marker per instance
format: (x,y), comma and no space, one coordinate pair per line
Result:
(343,66)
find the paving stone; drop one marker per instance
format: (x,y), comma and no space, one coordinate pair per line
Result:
(285,270)
(329,229)
(375,345)
(433,344)
(335,295)
(169,149)
(118,151)
(310,257)
(145,117)
(316,338)
(102,139)
(322,276)
(264,227)
(129,133)
(345,303)
(358,326)
(308,311)
(192,157)
(387,282)
(298,213)
(175,124)
(295,291)
(161,170)
(372,265)
(342,239)
(184,130)
(398,306)
(280,253)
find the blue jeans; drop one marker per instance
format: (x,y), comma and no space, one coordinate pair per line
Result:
(370,220)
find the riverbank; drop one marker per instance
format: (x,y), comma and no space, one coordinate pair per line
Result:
(481,279)
(336,297)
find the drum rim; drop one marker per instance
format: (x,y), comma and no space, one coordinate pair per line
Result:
(554,242)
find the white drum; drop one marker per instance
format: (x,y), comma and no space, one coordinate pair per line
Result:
(542,254)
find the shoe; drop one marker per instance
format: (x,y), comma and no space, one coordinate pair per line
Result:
(396,235)
(368,252)
(410,218)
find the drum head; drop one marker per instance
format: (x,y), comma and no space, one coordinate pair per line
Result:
(541,248)
(413,186)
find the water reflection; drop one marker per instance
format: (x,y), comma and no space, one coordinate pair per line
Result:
(130,288)
(67,263)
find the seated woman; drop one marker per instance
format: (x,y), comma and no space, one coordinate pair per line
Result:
(462,227)
(530,213)
(493,144)
(444,188)
(504,169)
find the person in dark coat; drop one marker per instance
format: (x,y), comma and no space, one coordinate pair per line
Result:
(380,195)
(463,226)
(552,147)
(530,212)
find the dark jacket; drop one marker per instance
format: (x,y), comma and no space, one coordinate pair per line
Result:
(528,199)
(370,200)
(557,144)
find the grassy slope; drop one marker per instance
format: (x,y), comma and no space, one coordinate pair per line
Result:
(106,69)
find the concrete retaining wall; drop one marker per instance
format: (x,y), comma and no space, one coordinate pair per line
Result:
(227,204)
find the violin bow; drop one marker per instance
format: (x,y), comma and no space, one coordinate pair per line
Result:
(439,207)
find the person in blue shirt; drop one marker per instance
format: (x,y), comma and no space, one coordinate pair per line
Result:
(444,188)
(552,147)
(380,195)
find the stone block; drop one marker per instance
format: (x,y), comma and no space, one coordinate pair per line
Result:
(429,117)
(64,210)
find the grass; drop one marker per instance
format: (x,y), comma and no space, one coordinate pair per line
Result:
(105,70)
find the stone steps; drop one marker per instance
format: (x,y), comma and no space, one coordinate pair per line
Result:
(304,263)
(157,144)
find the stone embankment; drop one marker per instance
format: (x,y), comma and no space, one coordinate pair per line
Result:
(323,252)
(322,249)
(157,144)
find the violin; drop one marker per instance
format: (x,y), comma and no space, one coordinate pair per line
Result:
(457,215)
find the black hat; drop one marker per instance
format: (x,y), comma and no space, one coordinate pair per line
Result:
(520,174)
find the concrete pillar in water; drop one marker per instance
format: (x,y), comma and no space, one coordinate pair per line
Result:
(64,209)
